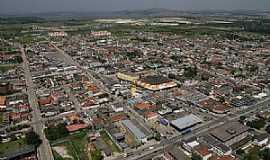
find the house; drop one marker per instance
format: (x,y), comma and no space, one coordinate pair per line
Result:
(203,152)
(119,117)
(150,115)
(216,146)
(189,144)
(19,117)
(3,102)
(76,127)
(261,140)
(174,153)
(118,108)
(225,157)
(213,106)
(144,106)
(22,107)
(45,101)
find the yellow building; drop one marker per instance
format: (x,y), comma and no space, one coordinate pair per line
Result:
(128,77)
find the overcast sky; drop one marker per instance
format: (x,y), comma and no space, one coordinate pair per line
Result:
(32,6)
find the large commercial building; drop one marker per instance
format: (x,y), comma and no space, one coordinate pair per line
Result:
(127,77)
(186,122)
(136,131)
(230,133)
(155,82)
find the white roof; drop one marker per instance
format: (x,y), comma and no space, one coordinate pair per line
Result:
(186,121)
(193,144)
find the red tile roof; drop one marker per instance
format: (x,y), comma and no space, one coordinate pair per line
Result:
(76,127)
(117,118)
(150,114)
(203,150)
(45,101)
(144,106)
(2,100)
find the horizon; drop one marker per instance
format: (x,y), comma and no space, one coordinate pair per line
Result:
(57,6)
(129,10)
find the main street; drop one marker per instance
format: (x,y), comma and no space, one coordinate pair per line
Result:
(44,150)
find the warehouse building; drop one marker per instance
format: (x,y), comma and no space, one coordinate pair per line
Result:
(185,123)
(230,133)
(136,131)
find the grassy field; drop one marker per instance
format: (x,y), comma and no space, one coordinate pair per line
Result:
(75,145)
(12,146)
(109,142)
(6,67)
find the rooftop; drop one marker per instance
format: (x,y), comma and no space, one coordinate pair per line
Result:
(155,80)
(229,131)
(2,100)
(186,121)
(134,129)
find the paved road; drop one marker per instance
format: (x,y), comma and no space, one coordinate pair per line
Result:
(44,151)
(91,74)
(137,155)
(72,98)
(145,152)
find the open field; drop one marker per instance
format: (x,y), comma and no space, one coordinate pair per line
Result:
(109,142)
(12,145)
(75,145)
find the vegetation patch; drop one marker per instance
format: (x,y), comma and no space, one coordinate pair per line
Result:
(12,145)
(108,141)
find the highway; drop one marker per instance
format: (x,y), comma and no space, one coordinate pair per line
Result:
(44,150)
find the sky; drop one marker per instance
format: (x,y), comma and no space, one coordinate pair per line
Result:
(39,6)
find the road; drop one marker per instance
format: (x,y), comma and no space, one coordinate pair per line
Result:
(203,129)
(72,98)
(139,154)
(91,74)
(44,150)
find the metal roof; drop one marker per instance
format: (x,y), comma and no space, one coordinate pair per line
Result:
(134,129)
(229,131)
(186,121)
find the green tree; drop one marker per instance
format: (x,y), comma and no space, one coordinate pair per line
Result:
(265,154)
(32,138)
(56,132)
(96,155)
(157,136)
(195,157)
(258,124)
